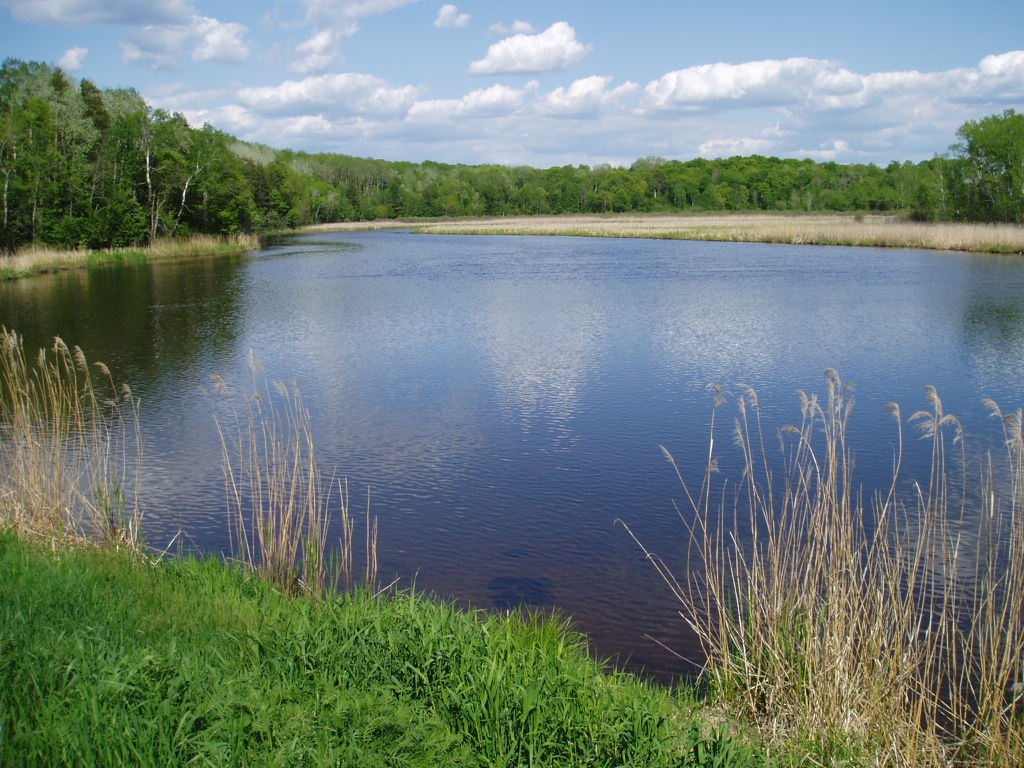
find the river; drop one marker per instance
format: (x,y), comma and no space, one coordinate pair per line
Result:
(505,399)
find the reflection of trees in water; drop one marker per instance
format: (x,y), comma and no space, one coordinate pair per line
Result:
(142,320)
(159,327)
(992,326)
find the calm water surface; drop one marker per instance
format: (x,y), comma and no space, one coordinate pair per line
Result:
(504,398)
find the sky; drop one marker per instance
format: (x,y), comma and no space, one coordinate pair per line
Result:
(545,83)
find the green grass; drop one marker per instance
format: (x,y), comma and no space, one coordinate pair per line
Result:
(106,660)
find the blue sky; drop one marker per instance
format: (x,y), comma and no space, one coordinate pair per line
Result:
(550,83)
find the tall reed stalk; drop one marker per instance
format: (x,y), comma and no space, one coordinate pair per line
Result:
(883,627)
(70,447)
(280,503)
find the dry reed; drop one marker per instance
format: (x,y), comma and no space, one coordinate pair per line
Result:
(890,630)
(810,229)
(280,503)
(70,448)
(39,259)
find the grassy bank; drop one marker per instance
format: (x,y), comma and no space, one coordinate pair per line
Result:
(111,657)
(810,229)
(110,661)
(37,260)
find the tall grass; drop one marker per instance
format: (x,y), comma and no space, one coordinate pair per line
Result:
(40,259)
(70,447)
(886,627)
(797,229)
(280,505)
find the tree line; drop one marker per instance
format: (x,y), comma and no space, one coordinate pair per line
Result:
(82,166)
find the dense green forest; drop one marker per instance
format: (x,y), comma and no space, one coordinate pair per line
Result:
(82,166)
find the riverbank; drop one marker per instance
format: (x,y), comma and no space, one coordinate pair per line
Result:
(113,656)
(116,661)
(37,260)
(796,229)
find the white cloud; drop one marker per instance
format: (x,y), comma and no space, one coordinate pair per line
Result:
(731,147)
(219,41)
(449,16)
(345,93)
(768,82)
(333,20)
(1011,64)
(810,85)
(484,102)
(518,28)
(790,108)
(73,59)
(234,119)
(306,124)
(155,47)
(554,48)
(161,46)
(318,52)
(586,96)
(833,149)
(80,13)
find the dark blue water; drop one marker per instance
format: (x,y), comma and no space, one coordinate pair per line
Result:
(505,397)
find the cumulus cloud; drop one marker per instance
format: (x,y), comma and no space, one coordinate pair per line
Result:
(449,16)
(80,13)
(161,46)
(833,149)
(794,107)
(998,65)
(332,21)
(484,102)
(219,41)
(587,96)
(554,48)
(344,93)
(768,82)
(737,146)
(318,52)
(73,59)
(155,47)
(821,85)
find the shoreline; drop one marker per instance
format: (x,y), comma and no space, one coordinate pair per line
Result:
(851,230)
(41,260)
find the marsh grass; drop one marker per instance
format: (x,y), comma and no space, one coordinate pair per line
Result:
(810,229)
(70,447)
(37,259)
(280,505)
(877,628)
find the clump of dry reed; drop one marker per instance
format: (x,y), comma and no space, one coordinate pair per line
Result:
(877,627)
(280,503)
(37,259)
(797,229)
(70,448)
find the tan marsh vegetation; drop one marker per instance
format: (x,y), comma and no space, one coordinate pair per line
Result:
(39,259)
(809,229)
(881,627)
